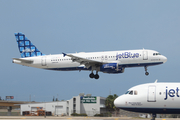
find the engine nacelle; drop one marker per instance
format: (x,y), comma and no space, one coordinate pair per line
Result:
(111,68)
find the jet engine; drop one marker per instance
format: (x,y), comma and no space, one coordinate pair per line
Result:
(111,68)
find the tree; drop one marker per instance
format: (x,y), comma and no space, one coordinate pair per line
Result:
(109,102)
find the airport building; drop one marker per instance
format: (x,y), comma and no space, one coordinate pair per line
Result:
(82,104)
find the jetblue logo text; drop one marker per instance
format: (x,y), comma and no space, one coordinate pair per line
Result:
(127,55)
(171,93)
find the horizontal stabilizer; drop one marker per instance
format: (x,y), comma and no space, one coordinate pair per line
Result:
(23,60)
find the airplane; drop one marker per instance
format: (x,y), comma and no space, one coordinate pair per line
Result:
(155,98)
(112,62)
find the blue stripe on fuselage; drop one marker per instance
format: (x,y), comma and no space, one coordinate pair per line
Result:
(124,65)
(154,110)
(141,64)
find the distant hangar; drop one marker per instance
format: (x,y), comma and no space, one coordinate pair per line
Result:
(82,104)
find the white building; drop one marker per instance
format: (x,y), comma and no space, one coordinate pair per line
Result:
(55,108)
(87,104)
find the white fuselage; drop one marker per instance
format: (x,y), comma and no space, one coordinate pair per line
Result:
(127,58)
(151,98)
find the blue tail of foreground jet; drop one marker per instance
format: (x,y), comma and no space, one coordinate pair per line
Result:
(26,48)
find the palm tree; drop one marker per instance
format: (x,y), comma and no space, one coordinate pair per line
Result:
(110,102)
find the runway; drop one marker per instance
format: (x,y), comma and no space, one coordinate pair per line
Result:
(78,118)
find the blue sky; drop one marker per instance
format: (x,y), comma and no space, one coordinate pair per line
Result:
(86,26)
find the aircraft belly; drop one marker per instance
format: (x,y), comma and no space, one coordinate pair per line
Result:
(61,65)
(154,110)
(140,64)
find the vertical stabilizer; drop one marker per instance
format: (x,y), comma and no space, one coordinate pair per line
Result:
(26,48)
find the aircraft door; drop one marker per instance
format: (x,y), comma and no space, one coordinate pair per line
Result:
(151,94)
(145,55)
(43,61)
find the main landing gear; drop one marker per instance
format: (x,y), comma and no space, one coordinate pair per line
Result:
(153,116)
(96,76)
(146,73)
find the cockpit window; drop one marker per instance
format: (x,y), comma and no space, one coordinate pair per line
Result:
(131,92)
(156,54)
(135,92)
(127,92)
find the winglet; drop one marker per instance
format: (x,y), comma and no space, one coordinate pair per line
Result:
(64,54)
(156,81)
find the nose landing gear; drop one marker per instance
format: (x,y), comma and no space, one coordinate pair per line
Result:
(146,73)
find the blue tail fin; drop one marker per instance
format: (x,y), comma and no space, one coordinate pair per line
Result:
(26,48)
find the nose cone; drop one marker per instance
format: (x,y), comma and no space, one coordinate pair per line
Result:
(118,102)
(164,59)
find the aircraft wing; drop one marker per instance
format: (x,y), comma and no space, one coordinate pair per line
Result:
(23,60)
(87,62)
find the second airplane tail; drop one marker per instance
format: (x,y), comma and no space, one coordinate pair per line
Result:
(26,48)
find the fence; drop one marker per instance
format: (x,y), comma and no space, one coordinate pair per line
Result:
(11,114)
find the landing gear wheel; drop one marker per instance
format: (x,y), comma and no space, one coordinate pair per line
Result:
(91,75)
(153,116)
(96,76)
(147,73)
